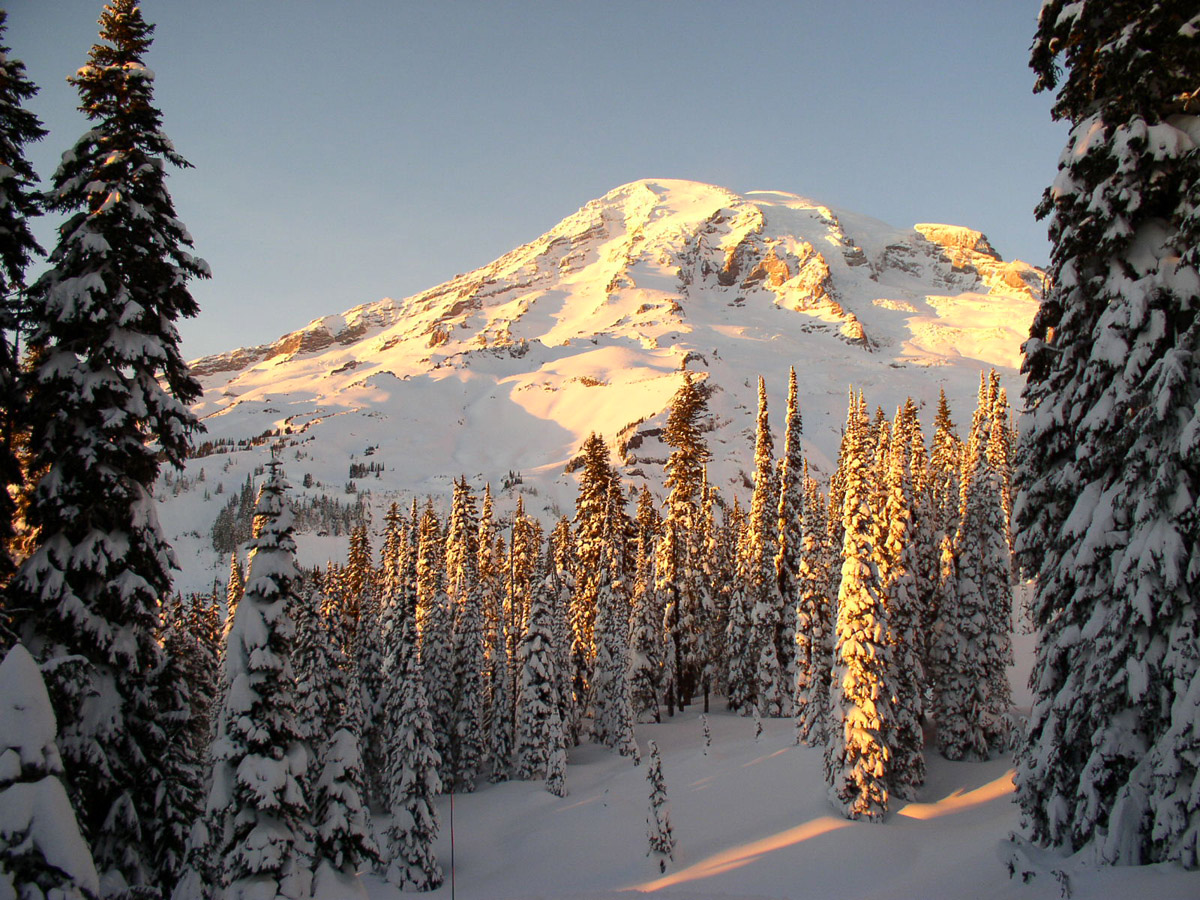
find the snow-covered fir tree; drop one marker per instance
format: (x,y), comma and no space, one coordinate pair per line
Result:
(344,842)
(260,815)
(234,586)
(570,710)
(972,636)
(359,582)
(435,624)
(469,643)
(645,635)
(945,469)
(898,569)
(1108,473)
(669,563)
(790,542)
(320,668)
(186,682)
(763,582)
(814,620)
(718,565)
(413,763)
(501,721)
(590,526)
(20,202)
(680,575)
(497,678)
(108,404)
(367,653)
(857,757)
(539,725)
(741,665)
(42,853)
(524,569)
(612,709)
(658,820)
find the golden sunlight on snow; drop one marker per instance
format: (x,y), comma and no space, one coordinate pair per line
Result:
(736,857)
(958,801)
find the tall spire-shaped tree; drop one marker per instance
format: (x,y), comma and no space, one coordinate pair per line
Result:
(898,571)
(412,776)
(539,727)
(814,620)
(857,757)
(19,203)
(257,801)
(790,540)
(763,584)
(680,586)
(972,644)
(591,538)
(611,705)
(107,405)
(469,649)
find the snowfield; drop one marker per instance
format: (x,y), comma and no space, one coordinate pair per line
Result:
(751,822)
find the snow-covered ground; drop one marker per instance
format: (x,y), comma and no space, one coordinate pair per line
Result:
(751,822)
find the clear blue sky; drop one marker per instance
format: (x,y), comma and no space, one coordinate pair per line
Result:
(347,151)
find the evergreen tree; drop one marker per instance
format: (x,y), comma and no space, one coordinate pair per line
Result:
(235,586)
(42,853)
(612,709)
(108,398)
(741,672)
(814,620)
(320,669)
(718,567)
(497,721)
(257,801)
(360,582)
(790,542)
(19,203)
(902,601)
(763,586)
(857,758)
(413,764)
(658,820)
(570,711)
(185,682)
(500,737)
(680,581)
(973,635)
(437,662)
(590,526)
(344,840)
(945,469)
(645,635)
(368,652)
(524,567)
(469,650)
(539,725)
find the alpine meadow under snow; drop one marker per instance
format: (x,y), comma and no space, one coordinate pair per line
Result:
(699,547)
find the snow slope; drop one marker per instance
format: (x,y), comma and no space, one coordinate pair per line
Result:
(509,368)
(751,821)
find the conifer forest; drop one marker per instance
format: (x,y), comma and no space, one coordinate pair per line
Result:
(302,731)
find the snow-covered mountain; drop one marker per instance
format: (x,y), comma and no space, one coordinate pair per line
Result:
(505,371)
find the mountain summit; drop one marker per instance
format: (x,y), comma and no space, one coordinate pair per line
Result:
(507,369)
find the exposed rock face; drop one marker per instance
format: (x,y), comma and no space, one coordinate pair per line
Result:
(969,251)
